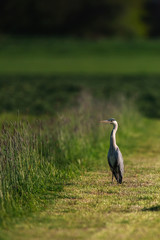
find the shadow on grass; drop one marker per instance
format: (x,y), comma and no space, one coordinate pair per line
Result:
(152,209)
(56,192)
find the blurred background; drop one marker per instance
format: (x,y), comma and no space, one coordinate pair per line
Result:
(92,19)
(52,51)
(64,66)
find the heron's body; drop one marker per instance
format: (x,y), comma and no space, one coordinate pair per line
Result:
(115,158)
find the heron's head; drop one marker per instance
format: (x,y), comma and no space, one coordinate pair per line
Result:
(110,121)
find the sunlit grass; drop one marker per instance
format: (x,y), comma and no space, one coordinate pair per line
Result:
(54,177)
(35,155)
(57,166)
(92,208)
(38,155)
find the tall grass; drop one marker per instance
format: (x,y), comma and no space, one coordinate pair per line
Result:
(42,155)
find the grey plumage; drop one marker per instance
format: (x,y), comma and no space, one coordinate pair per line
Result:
(115,158)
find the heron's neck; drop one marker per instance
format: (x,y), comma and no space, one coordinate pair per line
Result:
(113,136)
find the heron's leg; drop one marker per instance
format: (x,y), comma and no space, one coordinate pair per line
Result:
(112,177)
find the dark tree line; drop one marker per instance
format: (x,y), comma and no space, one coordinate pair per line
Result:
(81,17)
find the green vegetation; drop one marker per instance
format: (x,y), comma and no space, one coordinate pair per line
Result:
(42,76)
(54,176)
(47,95)
(37,156)
(28,56)
(90,207)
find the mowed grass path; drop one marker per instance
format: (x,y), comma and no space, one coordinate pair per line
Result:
(90,207)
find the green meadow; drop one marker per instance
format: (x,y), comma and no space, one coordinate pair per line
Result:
(65,56)
(55,181)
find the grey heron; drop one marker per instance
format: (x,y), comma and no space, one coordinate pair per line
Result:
(115,158)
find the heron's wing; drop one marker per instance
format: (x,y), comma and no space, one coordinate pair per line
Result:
(120,164)
(118,167)
(112,159)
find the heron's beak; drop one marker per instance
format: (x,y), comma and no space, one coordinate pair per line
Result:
(105,121)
